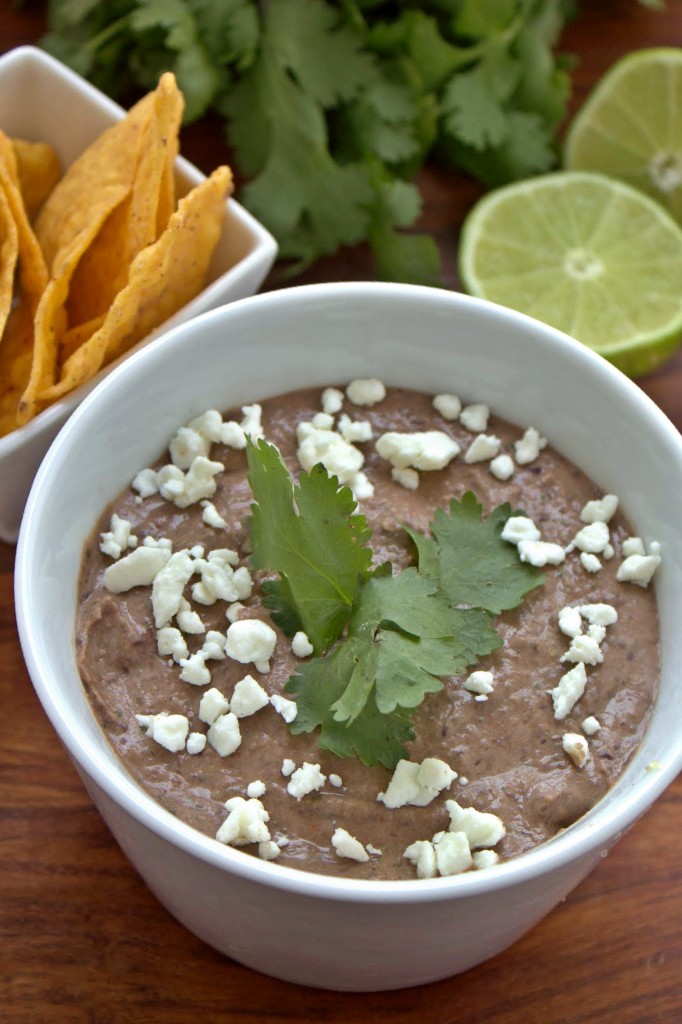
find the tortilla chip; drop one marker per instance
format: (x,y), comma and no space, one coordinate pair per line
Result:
(39,170)
(163,278)
(108,164)
(9,254)
(50,317)
(15,365)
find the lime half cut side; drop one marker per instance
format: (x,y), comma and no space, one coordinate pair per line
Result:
(630,127)
(586,254)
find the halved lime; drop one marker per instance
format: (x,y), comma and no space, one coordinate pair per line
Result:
(630,127)
(584,253)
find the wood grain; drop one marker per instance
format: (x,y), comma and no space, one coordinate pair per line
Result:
(83,940)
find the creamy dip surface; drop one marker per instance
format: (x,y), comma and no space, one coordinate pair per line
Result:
(507,750)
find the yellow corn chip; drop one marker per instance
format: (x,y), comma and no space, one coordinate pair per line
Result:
(9,253)
(50,317)
(108,164)
(163,277)
(39,170)
(103,269)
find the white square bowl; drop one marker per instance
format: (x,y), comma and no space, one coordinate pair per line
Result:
(42,100)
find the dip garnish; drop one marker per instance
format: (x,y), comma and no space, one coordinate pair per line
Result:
(382,639)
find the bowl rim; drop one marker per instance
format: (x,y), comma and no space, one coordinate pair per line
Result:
(263,248)
(604,825)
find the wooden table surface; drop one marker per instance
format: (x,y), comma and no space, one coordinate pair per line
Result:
(83,940)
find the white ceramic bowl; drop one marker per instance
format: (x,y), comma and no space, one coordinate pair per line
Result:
(42,100)
(307,928)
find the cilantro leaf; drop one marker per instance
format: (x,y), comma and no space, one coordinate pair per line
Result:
(309,535)
(474,566)
(403,635)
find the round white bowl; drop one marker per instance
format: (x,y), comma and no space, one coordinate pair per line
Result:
(307,928)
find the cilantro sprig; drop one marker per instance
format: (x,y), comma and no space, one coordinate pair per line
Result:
(332,108)
(383,641)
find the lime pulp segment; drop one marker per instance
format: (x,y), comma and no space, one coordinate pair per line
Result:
(586,254)
(630,127)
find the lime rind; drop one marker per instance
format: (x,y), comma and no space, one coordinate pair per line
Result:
(587,254)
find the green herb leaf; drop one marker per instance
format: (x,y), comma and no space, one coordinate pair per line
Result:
(401,638)
(472,563)
(310,536)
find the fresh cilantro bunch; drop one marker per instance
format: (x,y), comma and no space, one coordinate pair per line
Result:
(382,640)
(332,108)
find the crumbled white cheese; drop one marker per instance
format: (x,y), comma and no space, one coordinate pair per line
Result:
(194,670)
(518,528)
(199,482)
(638,569)
(426,450)
(335,780)
(220,581)
(268,850)
(348,846)
(569,690)
(170,641)
(209,424)
(169,731)
(212,705)
(577,748)
(475,417)
(502,467)
(633,546)
(251,422)
(481,828)
(288,767)
(324,421)
(479,682)
(590,725)
(485,859)
(541,552)
(137,569)
(214,645)
(146,483)
(248,697)
(224,734)
(211,516)
(529,446)
(592,538)
(597,632)
(365,391)
(234,611)
(245,823)
(482,448)
(589,562)
(599,614)
(453,853)
(355,431)
(584,648)
(417,784)
(338,456)
(118,537)
(406,477)
(232,435)
(570,622)
(332,401)
(301,646)
(449,406)
(196,742)
(188,620)
(423,855)
(306,779)
(251,640)
(255,789)
(186,445)
(168,586)
(361,486)
(601,510)
(288,709)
